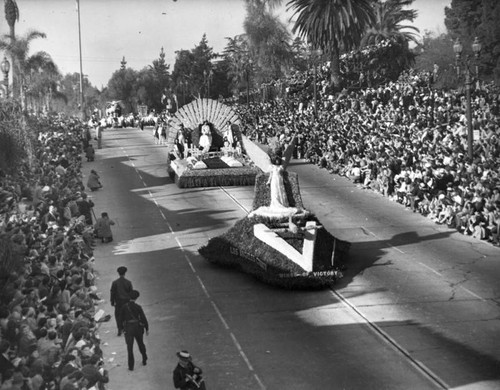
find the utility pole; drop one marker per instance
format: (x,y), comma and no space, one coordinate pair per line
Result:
(82,108)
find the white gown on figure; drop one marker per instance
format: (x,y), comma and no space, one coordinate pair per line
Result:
(205,138)
(279,206)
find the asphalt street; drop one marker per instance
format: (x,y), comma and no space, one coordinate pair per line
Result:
(418,307)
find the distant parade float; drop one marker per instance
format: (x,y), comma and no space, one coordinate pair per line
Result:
(206,146)
(279,241)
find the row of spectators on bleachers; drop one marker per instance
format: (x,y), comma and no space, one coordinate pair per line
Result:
(405,140)
(48,313)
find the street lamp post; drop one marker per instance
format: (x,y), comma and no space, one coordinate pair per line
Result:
(476,48)
(82,107)
(5,67)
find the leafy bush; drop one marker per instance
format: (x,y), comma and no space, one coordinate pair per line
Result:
(15,137)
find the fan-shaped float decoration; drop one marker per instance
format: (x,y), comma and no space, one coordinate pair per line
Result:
(199,155)
(192,115)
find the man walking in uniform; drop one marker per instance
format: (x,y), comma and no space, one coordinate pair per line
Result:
(134,324)
(120,295)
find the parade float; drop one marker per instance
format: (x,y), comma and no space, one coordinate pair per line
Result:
(113,113)
(279,241)
(206,146)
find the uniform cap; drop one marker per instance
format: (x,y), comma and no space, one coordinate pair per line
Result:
(122,270)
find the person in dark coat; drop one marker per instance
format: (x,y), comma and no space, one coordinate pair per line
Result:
(95,374)
(103,228)
(93,181)
(85,208)
(6,365)
(90,153)
(134,325)
(120,295)
(187,376)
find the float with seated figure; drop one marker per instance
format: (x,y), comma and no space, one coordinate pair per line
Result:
(207,147)
(279,241)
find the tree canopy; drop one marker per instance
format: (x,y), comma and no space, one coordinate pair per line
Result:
(467,19)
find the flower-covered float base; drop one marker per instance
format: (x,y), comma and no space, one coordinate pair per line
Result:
(240,247)
(211,170)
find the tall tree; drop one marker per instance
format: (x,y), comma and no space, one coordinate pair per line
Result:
(202,66)
(389,28)
(40,82)
(437,50)
(299,55)
(388,24)
(122,86)
(269,41)
(193,70)
(159,74)
(25,65)
(332,26)
(467,19)
(239,63)
(182,76)
(12,16)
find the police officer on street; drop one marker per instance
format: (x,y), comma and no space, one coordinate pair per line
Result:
(134,325)
(120,295)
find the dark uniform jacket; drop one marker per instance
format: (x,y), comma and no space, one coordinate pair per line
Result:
(132,313)
(120,291)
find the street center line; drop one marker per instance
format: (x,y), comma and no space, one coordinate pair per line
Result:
(221,317)
(430,269)
(223,320)
(236,201)
(473,294)
(374,235)
(422,368)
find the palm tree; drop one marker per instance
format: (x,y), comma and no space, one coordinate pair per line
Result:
(389,16)
(269,41)
(11,15)
(388,27)
(332,26)
(25,66)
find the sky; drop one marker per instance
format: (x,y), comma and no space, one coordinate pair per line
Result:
(138,29)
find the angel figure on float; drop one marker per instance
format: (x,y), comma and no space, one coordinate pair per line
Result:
(278,207)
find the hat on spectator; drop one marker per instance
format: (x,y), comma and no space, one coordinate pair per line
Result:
(184,355)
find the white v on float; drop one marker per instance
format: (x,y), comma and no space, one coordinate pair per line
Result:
(271,238)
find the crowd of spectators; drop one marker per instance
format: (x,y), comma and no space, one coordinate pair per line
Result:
(405,140)
(49,316)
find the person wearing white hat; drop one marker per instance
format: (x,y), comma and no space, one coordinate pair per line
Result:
(187,376)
